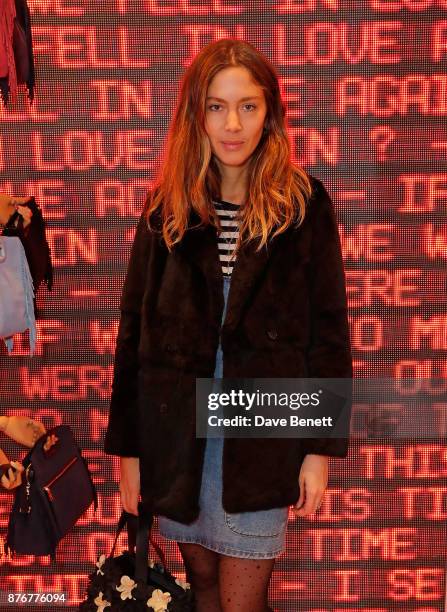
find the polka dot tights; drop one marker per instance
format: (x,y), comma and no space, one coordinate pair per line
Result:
(226,584)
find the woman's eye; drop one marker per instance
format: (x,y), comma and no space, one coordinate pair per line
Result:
(215,107)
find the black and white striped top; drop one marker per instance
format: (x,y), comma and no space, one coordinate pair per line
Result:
(228,237)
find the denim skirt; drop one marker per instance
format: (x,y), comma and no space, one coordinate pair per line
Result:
(251,535)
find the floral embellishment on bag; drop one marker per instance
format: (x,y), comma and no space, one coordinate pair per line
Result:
(99,564)
(101,603)
(159,600)
(184,585)
(110,590)
(126,586)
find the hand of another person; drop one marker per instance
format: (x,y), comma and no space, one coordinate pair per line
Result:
(49,442)
(8,206)
(22,430)
(26,213)
(13,477)
(313,480)
(130,483)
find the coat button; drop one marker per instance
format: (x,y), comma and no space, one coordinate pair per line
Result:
(272,334)
(163,407)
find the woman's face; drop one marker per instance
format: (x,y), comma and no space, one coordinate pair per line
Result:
(235,115)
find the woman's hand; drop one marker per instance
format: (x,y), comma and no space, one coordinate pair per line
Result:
(130,483)
(50,441)
(26,213)
(26,431)
(13,477)
(22,430)
(8,206)
(313,481)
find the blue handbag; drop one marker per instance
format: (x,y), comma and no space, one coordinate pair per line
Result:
(16,293)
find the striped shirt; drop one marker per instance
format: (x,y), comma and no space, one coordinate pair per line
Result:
(227,239)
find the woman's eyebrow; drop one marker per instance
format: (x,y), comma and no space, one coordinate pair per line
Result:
(241,100)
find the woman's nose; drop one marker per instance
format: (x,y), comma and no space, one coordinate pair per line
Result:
(233,123)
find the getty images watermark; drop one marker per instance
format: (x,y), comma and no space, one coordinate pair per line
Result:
(366,409)
(273,407)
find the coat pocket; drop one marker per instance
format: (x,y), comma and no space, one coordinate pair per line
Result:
(262,523)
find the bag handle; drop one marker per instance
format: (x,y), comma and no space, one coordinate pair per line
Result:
(16,216)
(145,522)
(138,536)
(121,524)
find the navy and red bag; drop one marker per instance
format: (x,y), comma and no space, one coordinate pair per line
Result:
(56,490)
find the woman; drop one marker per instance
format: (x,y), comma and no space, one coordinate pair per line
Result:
(227,167)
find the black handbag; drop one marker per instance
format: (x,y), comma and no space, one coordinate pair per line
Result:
(128,583)
(56,491)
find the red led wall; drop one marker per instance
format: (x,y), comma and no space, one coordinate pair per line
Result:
(366,88)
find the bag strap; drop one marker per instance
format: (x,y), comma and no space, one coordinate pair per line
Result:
(121,524)
(138,535)
(145,522)
(16,216)
(144,534)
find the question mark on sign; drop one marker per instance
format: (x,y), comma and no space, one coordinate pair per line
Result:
(382,136)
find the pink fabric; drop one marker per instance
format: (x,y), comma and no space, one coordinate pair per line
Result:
(7,62)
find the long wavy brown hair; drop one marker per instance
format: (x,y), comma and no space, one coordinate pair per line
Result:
(189,177)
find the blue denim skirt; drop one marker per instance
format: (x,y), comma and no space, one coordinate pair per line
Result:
(251,535)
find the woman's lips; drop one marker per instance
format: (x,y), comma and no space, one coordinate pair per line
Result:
(232,145)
